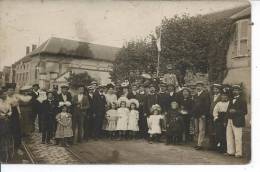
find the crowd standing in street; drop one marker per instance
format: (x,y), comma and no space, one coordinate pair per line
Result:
(158,112)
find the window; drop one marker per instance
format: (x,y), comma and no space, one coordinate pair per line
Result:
(241,39)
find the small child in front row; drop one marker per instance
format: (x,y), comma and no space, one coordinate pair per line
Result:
(154,122)
(123,113)
(174,125)
(111,116)
(133,118)
(64,126)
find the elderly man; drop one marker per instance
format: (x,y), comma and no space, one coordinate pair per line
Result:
(201,112)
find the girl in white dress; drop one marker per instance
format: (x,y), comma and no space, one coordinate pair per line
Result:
(64,125)
(123,113)
(133,118)
(154,122)
(111,116)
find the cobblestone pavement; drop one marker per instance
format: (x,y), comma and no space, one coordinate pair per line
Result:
(49,154)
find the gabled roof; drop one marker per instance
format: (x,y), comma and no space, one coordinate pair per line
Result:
(242,14)
(76,49)
(226,14)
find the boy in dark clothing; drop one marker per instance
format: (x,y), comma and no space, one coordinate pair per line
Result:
(48,111)
(174,125)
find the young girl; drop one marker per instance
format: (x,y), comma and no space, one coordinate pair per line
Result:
(123,113)
(154,123)
(133,118)
(111,116)
(64,126)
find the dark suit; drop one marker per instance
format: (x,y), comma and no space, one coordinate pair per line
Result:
(142,123)
(79,113)
(48,112)
(35,107)
(99,110)
(200,111)
(240,106)
(88,124)
(163,101)
(131,95)
(150,100)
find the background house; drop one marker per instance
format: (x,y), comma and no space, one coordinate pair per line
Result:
(239,54)
(56,58)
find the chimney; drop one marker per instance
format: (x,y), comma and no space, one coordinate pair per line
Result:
(27,50)
(34,46)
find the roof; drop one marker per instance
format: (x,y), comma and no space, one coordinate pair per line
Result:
(242,14)
(225,14)
(77,49)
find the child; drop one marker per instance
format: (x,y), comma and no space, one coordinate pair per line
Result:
(133,118)
(64,126)
(174,125)
(123,113)
(111,116)
(154,123)
(49,110)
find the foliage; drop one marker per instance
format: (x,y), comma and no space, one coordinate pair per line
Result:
(78,79)
(198,43)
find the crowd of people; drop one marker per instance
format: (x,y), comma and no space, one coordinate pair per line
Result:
(163,113)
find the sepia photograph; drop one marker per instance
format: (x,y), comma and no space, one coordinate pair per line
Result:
(125,82)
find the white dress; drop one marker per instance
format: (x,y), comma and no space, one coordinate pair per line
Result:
(154,124)
(122,121)
(111,117)
(133,120)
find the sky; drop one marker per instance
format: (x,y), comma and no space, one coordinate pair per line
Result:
(106,22)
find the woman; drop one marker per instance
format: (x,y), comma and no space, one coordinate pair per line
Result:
(13,99)
(5,112)
(110,96)
(185,102)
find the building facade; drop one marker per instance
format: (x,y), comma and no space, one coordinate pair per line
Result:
(57,57)
(239,55)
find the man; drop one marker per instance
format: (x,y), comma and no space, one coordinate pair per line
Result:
(35,107)
(142,123)
(171,95)
(48,112)
(200,111)
(236,122)
(80,105)
(163,98)
(170,77)
(88,124)
(215,97)
(99,110)
(150,100)
(132,94)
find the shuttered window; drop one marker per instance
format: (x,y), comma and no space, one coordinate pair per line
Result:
(241,39)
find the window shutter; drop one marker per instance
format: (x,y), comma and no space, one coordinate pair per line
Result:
(243,37)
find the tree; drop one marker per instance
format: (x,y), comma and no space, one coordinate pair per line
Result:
(199,43)
(76,80)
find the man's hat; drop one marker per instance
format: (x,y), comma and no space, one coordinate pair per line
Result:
(65,86)
(35,85)
(90,87)
(236,86)
(219,86)
(93,82)
(55,87)
(163,85)
(199,83)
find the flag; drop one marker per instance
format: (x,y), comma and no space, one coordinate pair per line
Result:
(158,37)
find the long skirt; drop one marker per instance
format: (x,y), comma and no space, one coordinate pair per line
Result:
(15,127)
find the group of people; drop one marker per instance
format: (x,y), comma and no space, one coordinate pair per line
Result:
(156,113)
